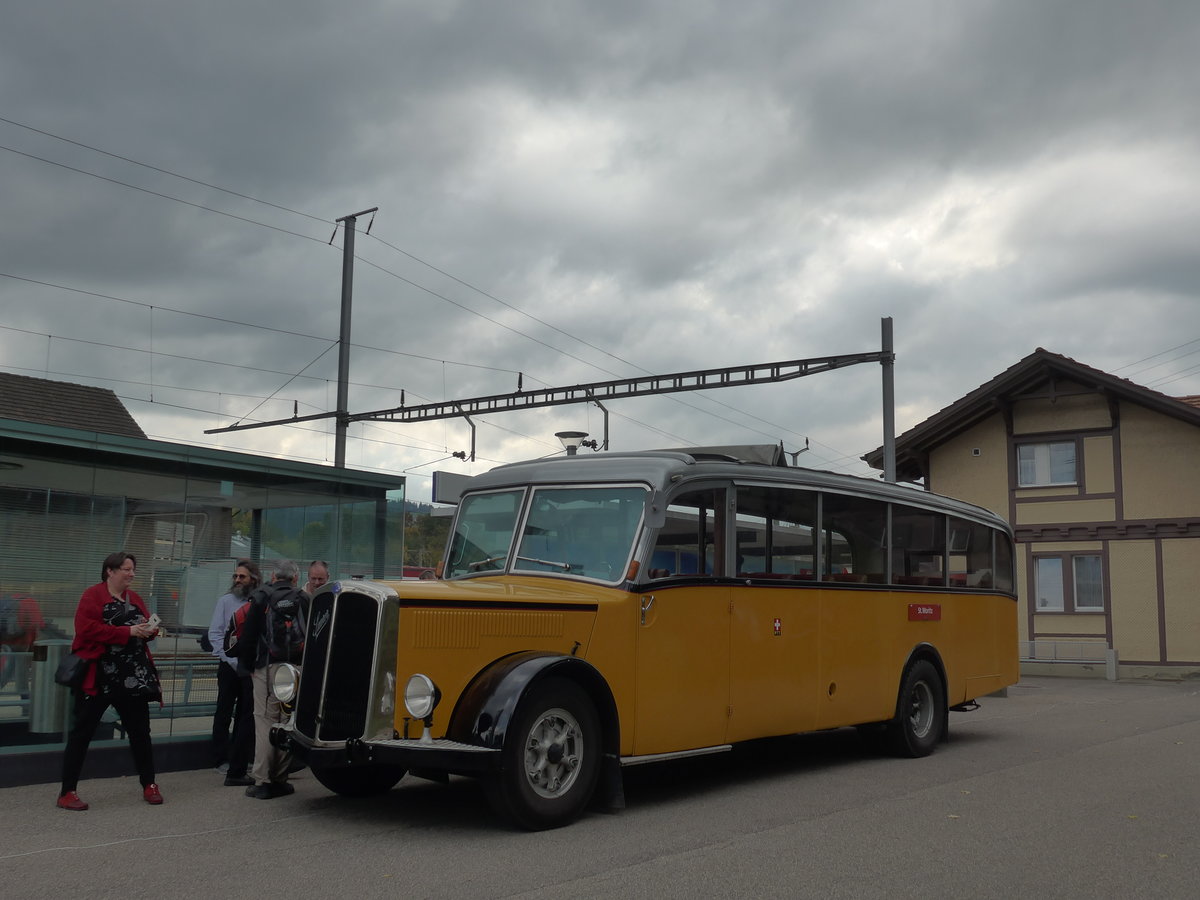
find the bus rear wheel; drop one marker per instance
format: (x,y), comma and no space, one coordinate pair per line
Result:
(920,722)
(359,781)
(551,757)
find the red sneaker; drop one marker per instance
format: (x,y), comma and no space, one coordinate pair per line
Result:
(152,794)
(70,800)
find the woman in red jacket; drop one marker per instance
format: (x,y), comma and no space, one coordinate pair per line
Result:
(111,629)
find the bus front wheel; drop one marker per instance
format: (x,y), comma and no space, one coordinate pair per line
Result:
(551,757)
(920,722)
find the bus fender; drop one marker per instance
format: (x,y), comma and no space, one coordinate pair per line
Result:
(490,701)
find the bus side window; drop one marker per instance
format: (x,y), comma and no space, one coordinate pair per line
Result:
(970,554)
(692,540)
(918,546)
(854,529)
(775,531)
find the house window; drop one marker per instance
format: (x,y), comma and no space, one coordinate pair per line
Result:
(1068,583)
(1046,464)
(1049,586)
(1089,592)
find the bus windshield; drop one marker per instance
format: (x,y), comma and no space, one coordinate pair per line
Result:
(483,532)
(586,532)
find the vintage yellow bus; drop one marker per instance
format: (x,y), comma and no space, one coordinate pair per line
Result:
(604,611)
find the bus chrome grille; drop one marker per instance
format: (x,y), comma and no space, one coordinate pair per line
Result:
(340,664)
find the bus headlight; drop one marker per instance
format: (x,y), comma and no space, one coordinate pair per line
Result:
(284,682)
(421,696)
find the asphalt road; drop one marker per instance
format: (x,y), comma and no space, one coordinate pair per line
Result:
(1065,788)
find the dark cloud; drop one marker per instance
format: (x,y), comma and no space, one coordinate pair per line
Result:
(580,191)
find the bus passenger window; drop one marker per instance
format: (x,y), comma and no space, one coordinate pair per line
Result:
(852,532)
(918,549)
(970,554)
(691,542)
(775,531)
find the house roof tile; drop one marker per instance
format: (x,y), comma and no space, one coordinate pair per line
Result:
(64,404)
(1041,366)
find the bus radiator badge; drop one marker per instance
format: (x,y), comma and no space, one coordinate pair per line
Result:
(778,627)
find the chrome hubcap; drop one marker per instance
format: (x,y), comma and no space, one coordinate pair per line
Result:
(553,753)
(920,715)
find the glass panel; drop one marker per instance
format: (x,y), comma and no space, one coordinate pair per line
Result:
(1049,584)
(776,530)
(483,532)
(919,546)
(970,554)
(1004,562)
(853,532)
(587,532)
(1062,463)
(1046,464)
(1026,465)
(1089,589)
(187,524)
(685,545)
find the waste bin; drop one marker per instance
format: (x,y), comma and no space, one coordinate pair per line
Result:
(49,702)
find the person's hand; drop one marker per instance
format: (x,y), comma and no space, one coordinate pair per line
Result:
(145,631)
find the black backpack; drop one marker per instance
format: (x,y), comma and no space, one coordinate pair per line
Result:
(233,631)
(283,628)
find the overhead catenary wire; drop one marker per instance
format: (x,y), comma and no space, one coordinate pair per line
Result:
(388,244)
(392,246)
(415,258)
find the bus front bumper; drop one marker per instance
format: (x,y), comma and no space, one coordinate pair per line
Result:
(409,753)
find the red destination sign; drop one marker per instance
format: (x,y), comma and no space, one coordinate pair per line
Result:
(924,612)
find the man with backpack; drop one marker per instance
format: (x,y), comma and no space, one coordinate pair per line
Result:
(273,634)
(235,692)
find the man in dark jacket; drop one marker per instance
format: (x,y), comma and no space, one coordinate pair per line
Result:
(268,640)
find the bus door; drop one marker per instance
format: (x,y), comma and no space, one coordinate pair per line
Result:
(776,614)
(774,660)
(683,632)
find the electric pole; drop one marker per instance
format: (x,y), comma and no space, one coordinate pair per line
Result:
(343,390)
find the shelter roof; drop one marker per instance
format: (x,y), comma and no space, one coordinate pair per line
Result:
(61,403)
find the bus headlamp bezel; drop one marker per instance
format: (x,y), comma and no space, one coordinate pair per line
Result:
(285,682)
(421,696)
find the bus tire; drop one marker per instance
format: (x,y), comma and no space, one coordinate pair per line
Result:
(920,713)
(550,759)
(359,781)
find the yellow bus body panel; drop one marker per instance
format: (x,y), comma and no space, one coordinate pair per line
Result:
(694,666)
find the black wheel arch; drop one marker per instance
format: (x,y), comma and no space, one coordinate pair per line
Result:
(486,708)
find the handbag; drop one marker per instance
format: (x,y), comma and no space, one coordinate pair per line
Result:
(71,671)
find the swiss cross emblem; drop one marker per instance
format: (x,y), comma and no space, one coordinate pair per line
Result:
(778,626)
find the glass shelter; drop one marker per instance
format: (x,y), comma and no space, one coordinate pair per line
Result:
(70,497)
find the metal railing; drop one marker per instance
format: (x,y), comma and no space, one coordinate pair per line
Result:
(189,687)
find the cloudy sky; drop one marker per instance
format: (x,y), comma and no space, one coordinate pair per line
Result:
(583,191)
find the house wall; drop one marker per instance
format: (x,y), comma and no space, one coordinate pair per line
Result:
(1072,412)
(1134,589)
(1160,457)
(1136,505)
(1181,598)
(980,479)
